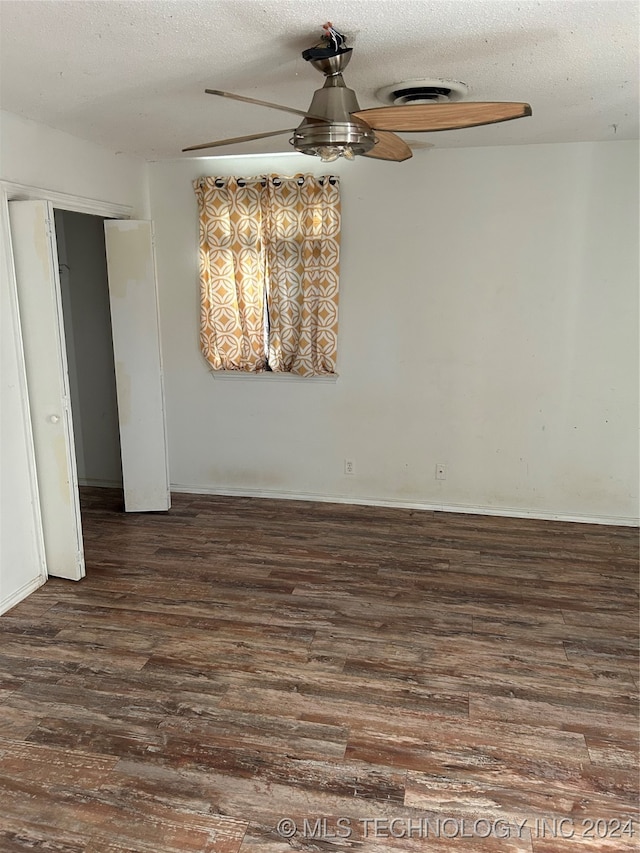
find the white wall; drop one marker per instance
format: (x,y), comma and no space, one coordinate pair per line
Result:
(488,321)
(37,156)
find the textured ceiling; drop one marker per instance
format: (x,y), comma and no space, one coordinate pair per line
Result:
(130,75)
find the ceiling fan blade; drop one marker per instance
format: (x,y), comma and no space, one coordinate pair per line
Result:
(431,117)
(262,103)
(389,147)
(237,139)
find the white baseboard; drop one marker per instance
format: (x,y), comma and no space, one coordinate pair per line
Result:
(22,593)
(507,512)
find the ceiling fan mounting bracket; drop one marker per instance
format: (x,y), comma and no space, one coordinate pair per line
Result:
(330,65)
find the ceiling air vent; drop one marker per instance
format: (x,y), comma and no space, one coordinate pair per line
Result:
(430,91)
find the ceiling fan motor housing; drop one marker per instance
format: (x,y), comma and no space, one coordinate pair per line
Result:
(334,102)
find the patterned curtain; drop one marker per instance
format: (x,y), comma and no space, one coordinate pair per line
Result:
(232,273)
(302,242)
(269,270)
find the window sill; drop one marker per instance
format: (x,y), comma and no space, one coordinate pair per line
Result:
(268,376)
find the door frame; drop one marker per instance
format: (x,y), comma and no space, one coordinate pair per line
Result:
(80,204)
(12,191)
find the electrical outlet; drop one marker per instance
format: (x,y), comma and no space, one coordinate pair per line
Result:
(441,471)
(350,467)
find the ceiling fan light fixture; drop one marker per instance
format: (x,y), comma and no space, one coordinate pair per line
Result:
(332,140)
(329,153)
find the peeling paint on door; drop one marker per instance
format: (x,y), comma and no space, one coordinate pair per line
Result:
(129,259)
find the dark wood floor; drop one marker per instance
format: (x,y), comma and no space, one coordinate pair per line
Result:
(235,662)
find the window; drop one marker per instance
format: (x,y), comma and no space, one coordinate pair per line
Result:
(269,273)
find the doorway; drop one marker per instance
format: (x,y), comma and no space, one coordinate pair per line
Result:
(125,351)
(86,312)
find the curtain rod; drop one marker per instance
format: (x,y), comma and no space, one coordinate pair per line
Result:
(276,179)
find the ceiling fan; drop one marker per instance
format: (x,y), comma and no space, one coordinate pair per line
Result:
(335,126)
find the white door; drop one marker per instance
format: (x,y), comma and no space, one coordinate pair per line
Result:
(136,346)
(36,264)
